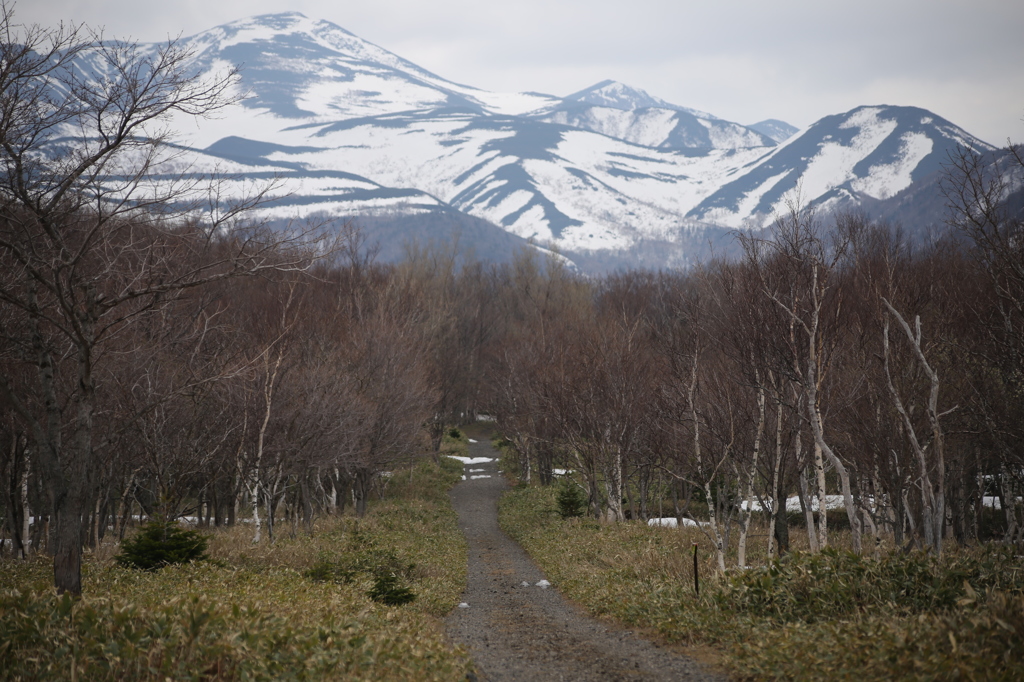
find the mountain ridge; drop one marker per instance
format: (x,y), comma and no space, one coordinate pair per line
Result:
(352,130)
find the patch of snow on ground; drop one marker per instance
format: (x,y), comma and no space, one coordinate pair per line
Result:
(994,503)
(793,503)
(530,225)
(480,476)
(672,522)
(543,584)
(472,460)
(746,205)
(326,97)
(472,440)
(647,127)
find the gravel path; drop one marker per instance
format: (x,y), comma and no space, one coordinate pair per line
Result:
(517,631)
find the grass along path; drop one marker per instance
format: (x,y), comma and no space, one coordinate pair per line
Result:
(826,616)
(257,612)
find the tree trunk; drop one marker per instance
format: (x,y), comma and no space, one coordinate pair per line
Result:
(705,480)
(814,416)
(775,537)
(933,500)
(361,489)
(741,558)
(307,504)
(805,497)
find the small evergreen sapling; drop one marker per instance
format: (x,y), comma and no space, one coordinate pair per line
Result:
(161,543)
(570,499)
(387,590)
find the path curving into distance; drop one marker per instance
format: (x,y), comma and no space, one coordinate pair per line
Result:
(526,632)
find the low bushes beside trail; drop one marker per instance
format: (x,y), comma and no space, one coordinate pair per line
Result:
(832,615)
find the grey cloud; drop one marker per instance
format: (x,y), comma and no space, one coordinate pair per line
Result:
(784,56)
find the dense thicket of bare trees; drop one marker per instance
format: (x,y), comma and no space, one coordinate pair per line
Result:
(834,361)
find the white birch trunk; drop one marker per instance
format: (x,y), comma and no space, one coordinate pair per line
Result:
(776,503)
(26,514)
(814,416)
(745,514)
(932,492)
(820,492)
(705,480)
(805,496)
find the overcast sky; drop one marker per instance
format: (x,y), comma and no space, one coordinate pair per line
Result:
(742,60)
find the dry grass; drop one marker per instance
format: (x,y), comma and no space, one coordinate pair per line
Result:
(250,613)
(832,615)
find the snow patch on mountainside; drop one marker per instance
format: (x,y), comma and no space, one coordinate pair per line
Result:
(834,163)
(657,127)
(731,136)
(747,205)
(647,127)
(885,180)
(780,131)
(513,103)
(617,95)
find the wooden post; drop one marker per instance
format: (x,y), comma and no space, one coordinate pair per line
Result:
(696,582)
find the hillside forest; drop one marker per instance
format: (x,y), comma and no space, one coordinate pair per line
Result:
(163,354)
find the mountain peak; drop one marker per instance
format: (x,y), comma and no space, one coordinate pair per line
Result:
(780,131)
(276,19)
(616,95)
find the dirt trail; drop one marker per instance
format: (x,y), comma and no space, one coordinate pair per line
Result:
(526,632)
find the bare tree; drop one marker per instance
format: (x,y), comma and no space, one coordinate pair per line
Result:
(811,299)
(985,198)
(83,254)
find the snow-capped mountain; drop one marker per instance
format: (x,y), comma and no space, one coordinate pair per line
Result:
(779,131)
(872,152)
(297,70)
(615,95)
(630,114)
(350,129)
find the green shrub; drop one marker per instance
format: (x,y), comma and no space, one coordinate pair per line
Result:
(834,583)
(372,562)
(383,566)
(455,434)
(387,590)
(161,543)
(571,500)
(981,640)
